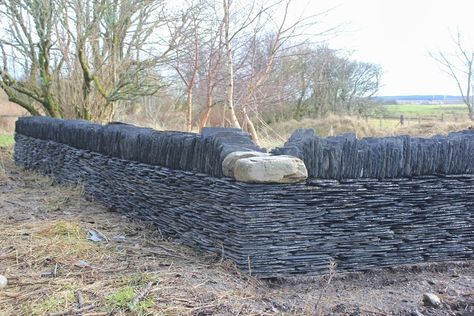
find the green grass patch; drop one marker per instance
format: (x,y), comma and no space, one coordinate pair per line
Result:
(122,300)
(50,304)
(6,140)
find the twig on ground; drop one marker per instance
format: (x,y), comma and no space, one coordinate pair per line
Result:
(31,283)
(332,273)
(73,311)
(55,271)
(142,294)
(6,252)
(11,295)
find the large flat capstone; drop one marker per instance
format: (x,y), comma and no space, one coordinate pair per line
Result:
(228,164)
(270,169)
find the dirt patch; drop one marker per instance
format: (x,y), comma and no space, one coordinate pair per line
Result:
(54,267)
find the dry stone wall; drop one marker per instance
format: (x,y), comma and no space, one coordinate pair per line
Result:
(272,229)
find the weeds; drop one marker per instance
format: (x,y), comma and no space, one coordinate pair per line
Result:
(124,299)
(62,228)
(330,276)
(51,304)
(5,158)
(6,141)
(56,203)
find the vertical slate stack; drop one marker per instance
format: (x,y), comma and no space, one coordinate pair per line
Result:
(346,157)
(173,179)
(176,150)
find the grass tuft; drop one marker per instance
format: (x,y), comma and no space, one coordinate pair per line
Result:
(62,228)
(123,300)
(6,140)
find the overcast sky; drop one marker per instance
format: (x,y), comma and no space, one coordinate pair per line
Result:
(398,34)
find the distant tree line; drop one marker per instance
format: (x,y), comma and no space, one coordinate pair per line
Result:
(251,59)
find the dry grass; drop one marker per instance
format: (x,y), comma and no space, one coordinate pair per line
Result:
(278,133)
(8,114)
(53,267)
(330,125)
(431,129)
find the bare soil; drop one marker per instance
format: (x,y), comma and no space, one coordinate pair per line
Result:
(53,268)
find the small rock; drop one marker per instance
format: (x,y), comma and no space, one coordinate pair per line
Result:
(430,299)
(97,236)
(83,263)
(3,281)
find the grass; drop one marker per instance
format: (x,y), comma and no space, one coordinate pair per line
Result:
(427,110)
(420,120)
(123,300)
(279,132)
(6,140)
(53,303)
(331,125)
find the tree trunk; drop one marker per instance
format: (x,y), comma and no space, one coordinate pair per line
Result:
(250,126)
(230,69)
(189,117)
(206,114)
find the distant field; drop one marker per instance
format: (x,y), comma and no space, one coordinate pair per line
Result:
(428,110)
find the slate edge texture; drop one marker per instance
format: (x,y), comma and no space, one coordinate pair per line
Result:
(278,230)
(346,157)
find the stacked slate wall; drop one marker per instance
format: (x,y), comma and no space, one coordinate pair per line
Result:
(277,230)
(177,150)
(346,157)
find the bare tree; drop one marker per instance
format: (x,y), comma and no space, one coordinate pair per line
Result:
(230,63)
(459,65)
(115,46)
(249,18)
(276,43)
(264,35)
(29,61)
(212,59)
(316,80)
(81,57)
(187,60)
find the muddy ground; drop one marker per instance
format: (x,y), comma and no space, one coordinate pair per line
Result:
(54,268)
